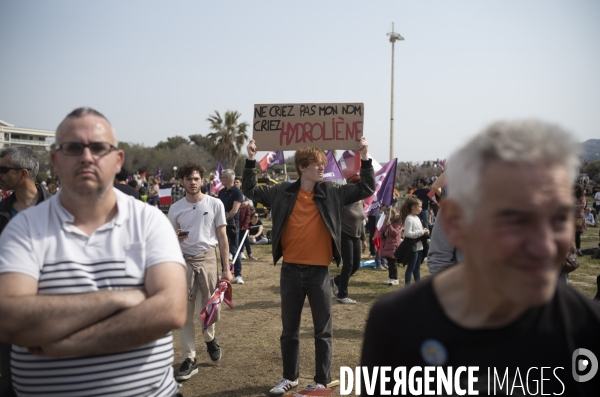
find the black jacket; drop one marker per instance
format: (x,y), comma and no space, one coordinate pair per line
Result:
(329,197)
(405,249)
(8,202)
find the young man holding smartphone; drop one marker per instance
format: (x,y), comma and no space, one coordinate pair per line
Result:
(199,221)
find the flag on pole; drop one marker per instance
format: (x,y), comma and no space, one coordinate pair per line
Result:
(385,179)
(376,239)
(216,183)
(164,193)
(332,169)
(271,159)
(223,293)
(159,173)
(143,176)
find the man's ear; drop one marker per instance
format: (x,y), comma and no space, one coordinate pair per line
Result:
(454,222)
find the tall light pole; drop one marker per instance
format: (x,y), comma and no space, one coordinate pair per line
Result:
(393,37)
(175,172)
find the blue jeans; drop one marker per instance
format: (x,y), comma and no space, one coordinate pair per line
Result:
(233,246)
(296,283)
(414,267)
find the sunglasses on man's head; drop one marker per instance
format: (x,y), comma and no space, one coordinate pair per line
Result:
(4,170)
(76,148)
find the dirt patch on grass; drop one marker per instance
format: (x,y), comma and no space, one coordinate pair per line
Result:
(249,333)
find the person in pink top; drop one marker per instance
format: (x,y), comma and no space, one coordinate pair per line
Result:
(391,237)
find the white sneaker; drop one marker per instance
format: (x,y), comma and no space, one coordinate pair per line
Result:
(387,282)
(393,282)
(230,257)
(243,256)
(239,280)
(282,387)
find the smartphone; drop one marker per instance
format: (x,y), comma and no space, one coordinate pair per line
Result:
(184,233)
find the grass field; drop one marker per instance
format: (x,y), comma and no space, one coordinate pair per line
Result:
(249,333)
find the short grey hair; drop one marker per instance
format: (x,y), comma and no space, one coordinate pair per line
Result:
(81,112)
(513,142)
(22,157)
(228,173)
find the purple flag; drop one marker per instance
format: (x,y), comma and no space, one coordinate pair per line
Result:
(332,170)
(385,179)
(159,173)
(271,159)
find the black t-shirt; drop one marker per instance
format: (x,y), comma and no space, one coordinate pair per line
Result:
(254,229)
(409,328)
(228,197)
(422,195)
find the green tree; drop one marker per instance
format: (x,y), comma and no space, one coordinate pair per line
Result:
(201,141)
(227,137)
(172,142)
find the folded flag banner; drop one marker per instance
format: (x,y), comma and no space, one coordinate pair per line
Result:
(385,179)
(332,169)
(271,159)
(159,173)
(216,183)
(350,163)
(376,239)
(164,193)
(223,293)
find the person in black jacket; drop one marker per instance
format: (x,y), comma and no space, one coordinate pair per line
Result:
(18,169)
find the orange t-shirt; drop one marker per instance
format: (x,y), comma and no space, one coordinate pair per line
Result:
(305,239)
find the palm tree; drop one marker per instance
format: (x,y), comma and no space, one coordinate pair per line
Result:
(227,137)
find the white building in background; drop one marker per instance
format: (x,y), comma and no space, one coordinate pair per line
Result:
(17,136)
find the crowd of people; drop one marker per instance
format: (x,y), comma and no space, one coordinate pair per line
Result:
(495,251)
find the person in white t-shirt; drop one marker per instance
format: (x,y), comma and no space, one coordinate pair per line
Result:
(91,280)
(199,221)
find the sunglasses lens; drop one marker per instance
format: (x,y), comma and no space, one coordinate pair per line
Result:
(99,148)
(72,148)
(4,170)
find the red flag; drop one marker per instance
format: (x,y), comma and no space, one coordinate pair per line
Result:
(222,293)
(376,240)
(271,159)
(350,163)
(143,176)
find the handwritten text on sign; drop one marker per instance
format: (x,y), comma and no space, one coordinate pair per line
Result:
(324,125)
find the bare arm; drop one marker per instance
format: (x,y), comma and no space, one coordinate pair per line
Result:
(29,319)
(163,311)
(224,251)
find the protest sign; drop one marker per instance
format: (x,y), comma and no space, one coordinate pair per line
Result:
(323,125)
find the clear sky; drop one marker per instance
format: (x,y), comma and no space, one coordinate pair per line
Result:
(158,69)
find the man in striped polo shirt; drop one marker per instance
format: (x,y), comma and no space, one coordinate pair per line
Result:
(92,281)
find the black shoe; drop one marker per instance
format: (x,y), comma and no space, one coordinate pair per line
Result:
(188,369)
(214,350)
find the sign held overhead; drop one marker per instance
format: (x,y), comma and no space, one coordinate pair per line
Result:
(323,125)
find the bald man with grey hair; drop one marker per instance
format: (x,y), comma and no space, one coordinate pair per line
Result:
(510,211)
